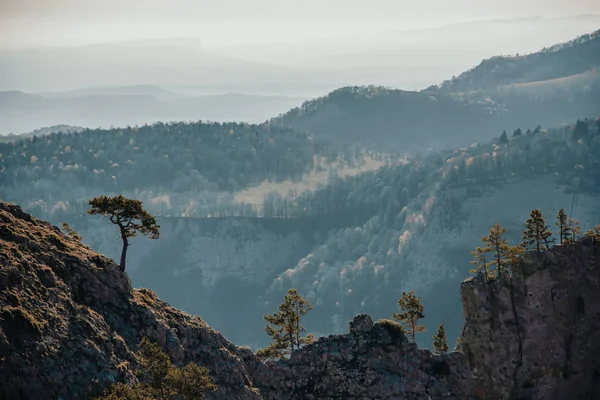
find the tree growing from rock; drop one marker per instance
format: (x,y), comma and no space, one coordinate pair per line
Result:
(500,257)
(286,331)
(569,230)
(161,380)
(128,215)
(411,312)
(574,229)
(439,340)
(562,222)
(537,235)
(594,234)
(481,262)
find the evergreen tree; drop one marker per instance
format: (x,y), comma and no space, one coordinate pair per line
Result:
(503,138)
(130,217)
(517,132)
(537,235)
(287,332)
(562,221)
(499,247)
(574,230)
(412,312)
(594,234)
(500,251)
(481,262)
(439,340)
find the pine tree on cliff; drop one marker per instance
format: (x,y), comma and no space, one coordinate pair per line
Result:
(439,340)
(594,234)
(574,230)
(128,215)
(499,246)
(569,229)
(537,235)
(481,262)
(412,312)
(562,221)
(287,330)
(495,244)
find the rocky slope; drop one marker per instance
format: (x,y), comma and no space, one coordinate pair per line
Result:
(70,320)
(373,361)
(70,323)
(536,336)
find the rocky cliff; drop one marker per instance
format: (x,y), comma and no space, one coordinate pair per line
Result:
(70,323)
(373,361)
(70,320)
(536,335)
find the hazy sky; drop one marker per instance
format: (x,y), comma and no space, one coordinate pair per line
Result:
(25,23)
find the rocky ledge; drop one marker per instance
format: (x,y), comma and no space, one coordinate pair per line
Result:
(537,335)
(70,323)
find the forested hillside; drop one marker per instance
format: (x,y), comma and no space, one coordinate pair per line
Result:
(357,243)
(563,60)
(183,168)
(555,86)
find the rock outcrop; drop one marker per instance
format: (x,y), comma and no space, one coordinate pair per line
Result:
(70,324)
(373,361)
(536,335)
(70,321)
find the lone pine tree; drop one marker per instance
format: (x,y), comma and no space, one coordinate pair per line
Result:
(412,312)
(128,215)
(537,235)
(287,330)
(439,340)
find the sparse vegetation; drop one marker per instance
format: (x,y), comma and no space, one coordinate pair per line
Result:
(70,232)
(161,380)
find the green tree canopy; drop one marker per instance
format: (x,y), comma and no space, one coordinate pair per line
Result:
(128,215)
(287,330)
(537,235)
(439,340)
(412,312)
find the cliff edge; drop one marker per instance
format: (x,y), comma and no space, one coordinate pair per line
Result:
(536,335)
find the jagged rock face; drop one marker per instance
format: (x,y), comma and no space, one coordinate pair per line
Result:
(70,324)
(537,335)
(70,321)
(374,361)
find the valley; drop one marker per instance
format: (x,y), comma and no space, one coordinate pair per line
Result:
(353,199)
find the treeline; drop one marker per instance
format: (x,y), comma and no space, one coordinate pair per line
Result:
(497,257)
(173,158)
(572,151)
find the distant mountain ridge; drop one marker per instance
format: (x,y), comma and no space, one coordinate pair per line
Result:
(576,56)
(551,87)
(131,105)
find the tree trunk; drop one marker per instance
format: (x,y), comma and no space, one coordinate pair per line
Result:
(124,254)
